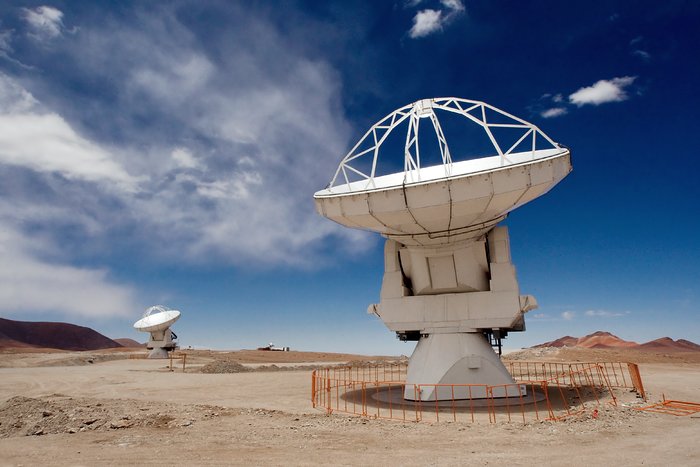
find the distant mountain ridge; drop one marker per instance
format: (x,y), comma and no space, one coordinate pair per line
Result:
(62,336)
(606,340)
(128,342)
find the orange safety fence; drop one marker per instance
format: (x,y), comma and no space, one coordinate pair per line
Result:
(177,356)
(673,407)
(542,392)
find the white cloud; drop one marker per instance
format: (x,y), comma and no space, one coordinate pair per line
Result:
(184,158)
(568,315)
(602,91)
(455,5)
(43,141)
(425,23)
(644,55)
(32,285)
(557,98)
(228,173)
(6,49)
(5,43)
(604,314)
(554,112)
(429,21)
(45,21)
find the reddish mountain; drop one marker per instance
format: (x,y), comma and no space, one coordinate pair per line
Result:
(61,336)
(597,340)
(566,341)
(127,342)
(606,340)
(666,343)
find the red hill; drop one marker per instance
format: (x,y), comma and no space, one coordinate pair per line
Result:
(606,340)
(128,342)
(61,336)
(597,340)
(666,343)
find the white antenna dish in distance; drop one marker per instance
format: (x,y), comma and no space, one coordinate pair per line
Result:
(157,321)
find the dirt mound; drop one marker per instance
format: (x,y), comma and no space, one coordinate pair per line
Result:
(235,367)
(224,367)
(61,336)
(26,416)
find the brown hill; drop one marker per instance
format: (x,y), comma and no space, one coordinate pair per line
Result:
(666,343)
(61,336)
(127,342)
(606,340)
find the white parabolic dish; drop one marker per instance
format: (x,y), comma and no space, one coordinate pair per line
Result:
(157,318)
(452,201)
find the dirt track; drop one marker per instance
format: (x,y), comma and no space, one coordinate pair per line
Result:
(137,412)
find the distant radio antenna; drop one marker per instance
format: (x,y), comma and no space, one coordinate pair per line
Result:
(449,282)
(157,320)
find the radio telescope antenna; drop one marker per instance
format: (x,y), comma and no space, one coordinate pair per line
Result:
(157,320)
(449,282)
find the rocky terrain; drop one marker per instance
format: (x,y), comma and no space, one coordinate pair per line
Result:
(58,409)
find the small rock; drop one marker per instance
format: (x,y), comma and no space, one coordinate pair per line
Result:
(72,430)
(46,413)
(119,424)
(38,432)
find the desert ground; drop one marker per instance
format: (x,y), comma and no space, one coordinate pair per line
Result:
(104,408)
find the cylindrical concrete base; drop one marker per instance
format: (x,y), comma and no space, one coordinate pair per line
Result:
(463,359)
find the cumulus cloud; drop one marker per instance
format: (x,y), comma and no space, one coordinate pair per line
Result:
(568,315)
(425,23)
(429,21)
(603,91)
(45,22)
(30,284)
(554,112)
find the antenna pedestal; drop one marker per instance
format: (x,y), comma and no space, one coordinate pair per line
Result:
(463,359)
(448,298)
(160,343)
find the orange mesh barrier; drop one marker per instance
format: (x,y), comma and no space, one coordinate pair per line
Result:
(544,391)
(672,407)
(637,380)
(177,356)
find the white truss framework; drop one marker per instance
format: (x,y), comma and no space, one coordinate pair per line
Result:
(474,111)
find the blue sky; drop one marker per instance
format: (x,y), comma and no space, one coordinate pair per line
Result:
(167,152)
